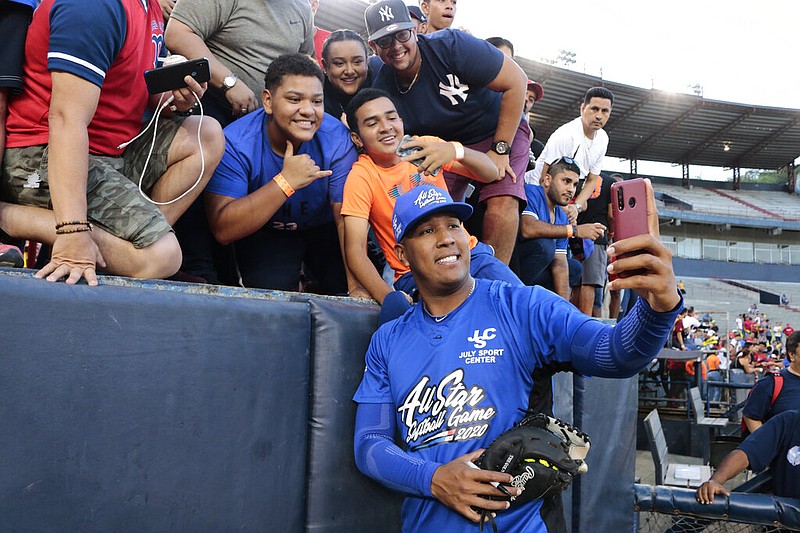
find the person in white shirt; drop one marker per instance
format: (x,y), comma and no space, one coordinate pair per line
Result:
(582,139)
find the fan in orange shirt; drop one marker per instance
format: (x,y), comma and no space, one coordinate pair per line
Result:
(381,175)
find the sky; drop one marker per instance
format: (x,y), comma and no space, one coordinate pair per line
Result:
(737,51)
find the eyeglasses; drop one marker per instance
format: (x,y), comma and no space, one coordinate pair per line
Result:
(569,162)
(401,36)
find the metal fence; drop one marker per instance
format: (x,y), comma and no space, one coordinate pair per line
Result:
(655,522)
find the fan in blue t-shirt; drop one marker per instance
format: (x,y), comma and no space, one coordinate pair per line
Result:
(762,403)
(277,191)
(545,230)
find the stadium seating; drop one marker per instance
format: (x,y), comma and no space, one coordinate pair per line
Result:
(743,204)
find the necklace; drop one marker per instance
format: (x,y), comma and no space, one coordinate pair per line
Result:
(401,91)
(442,317)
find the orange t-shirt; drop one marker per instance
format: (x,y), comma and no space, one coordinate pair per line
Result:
(713,362)
(690,368)
(370,193)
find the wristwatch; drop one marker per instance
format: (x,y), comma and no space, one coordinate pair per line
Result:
(228,82)
(501,148)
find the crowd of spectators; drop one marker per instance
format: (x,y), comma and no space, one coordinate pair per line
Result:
(259,204)
(752,350)
(761,362)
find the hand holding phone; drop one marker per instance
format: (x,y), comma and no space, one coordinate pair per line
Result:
(403,152)
(169,78)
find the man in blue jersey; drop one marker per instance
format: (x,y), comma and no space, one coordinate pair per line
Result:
(545,230)
(455,372)
(454,86)
(277,193)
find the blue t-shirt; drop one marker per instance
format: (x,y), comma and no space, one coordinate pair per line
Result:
(249,163)
(758,403)
(459,383)
(31,3)
(777,442)
(537,207)
(449,98)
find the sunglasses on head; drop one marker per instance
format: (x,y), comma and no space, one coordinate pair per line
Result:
(571,164)
(401,36)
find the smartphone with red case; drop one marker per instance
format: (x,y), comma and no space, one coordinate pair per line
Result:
(629,211)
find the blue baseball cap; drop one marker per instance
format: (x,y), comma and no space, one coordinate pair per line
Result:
(422,202)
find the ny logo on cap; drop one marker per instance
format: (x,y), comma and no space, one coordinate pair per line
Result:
(386,13)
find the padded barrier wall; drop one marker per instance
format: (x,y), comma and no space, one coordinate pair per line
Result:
(126,409)
(606,410)
(135,409)
(340,498)
(740,507)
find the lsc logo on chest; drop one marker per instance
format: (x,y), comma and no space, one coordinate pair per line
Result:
(481,354)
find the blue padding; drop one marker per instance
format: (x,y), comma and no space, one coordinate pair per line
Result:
(131,409)
(761,509)
(340,498)
(606,410)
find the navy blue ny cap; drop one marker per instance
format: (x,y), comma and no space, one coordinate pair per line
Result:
(421,202)
(386,17)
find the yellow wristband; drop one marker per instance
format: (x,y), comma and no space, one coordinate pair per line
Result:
(570,230)
(284,185)
(459,150)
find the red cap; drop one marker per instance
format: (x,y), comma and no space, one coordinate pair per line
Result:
(538,90)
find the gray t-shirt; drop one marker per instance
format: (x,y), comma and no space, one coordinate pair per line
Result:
(246,35)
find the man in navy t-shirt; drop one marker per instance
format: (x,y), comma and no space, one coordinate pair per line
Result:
(776,444)
(760,407)
(455,371)
(457,87)
(277,193)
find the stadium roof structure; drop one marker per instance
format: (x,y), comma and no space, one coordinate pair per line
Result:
(656,125)
(646,124)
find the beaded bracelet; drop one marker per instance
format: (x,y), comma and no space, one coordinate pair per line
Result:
(74,223)
(284,185)
(74,230)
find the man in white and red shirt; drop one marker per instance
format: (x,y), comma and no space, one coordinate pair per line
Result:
(66,178)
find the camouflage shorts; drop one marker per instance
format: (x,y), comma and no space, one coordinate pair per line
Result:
(113,200)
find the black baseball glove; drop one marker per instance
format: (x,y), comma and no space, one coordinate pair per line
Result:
(542,453)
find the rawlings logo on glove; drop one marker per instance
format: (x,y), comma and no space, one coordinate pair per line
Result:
(542,454)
